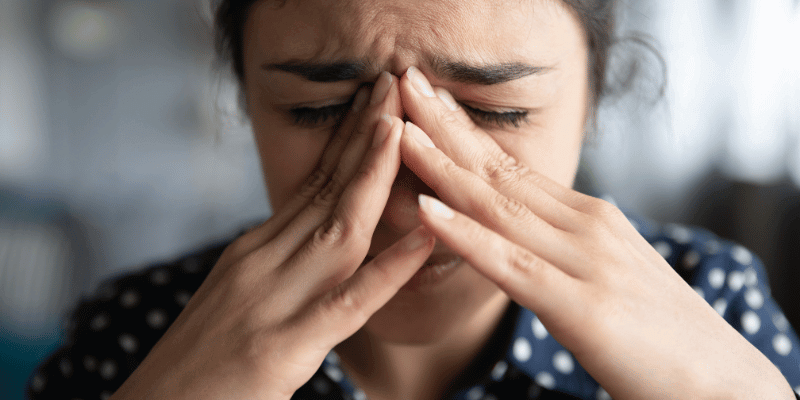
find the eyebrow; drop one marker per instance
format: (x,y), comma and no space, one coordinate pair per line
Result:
(486,74)
(454,71)
(322,72)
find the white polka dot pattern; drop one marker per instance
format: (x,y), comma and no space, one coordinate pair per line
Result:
(538,329)
(132,313)
(700,292)
(522,349)
(754,298)
(742,255)
(128,343)
(751,322)
(602,394)
(159,277)
(782,344)
(37,384)
(475,393)
(679,234)
(780,322)
(712,247)
(334,373)
(359,394)
(562,362)
(182,298)
(156,319)
(735,280)
(720,306)
(545,380)
(499,370)
(716,278)
(332,358)
(99,322)
(750,277)
(108,369)
(663,248)
(65,366)
(129,299)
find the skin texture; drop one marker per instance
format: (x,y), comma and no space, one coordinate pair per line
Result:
(452,321)
(328,269)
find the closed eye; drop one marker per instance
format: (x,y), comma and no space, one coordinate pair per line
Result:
(312,117)
(316,116)
(496,118)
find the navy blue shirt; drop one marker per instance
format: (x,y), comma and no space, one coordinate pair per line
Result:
(109,335)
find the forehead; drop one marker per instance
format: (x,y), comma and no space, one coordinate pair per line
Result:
(394,34)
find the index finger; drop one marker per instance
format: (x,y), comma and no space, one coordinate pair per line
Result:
(456,135)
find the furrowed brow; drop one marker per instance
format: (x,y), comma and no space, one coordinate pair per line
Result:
(485,74)
(322,72)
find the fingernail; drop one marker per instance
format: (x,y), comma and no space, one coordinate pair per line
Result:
(419,135)
(436,207)
(416,239)
(360,100)
(420,82)
(382,131)
(381,88)
(447,99)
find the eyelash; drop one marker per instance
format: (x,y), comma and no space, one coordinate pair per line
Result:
(309,116)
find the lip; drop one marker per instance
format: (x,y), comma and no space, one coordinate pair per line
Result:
(436,270)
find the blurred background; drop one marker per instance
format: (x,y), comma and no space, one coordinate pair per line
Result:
(120,145)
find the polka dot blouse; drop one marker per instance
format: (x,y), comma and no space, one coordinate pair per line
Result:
(111,333)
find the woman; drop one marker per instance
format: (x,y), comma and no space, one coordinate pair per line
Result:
(474,188)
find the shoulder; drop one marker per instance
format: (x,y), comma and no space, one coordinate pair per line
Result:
(110,332)
(734,282)
(707,262)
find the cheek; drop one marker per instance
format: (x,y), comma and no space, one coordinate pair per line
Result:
(287,159)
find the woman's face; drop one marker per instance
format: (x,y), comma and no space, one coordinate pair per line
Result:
(532,61)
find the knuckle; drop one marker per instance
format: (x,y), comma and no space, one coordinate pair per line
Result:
(367,172)
(315,182)
(520,262)
(449,167)
(331,233)
(347,302)
(337,232)
(448,118)
(329,194)
(503,169)
(602,209)
(509,209)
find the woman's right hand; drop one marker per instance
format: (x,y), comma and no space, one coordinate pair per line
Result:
(285,293)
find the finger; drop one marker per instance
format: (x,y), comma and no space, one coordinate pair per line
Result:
(527,278)
(347,307)
(474,197)
(310,224)
(453,131)
(339,246)
(267,231)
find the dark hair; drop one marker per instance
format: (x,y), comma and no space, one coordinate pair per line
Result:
(596,16)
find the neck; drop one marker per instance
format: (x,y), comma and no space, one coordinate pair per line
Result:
(389,370)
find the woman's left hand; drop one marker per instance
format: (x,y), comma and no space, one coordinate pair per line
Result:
(598,287)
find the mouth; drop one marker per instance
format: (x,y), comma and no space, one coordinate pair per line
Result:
(435,270)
